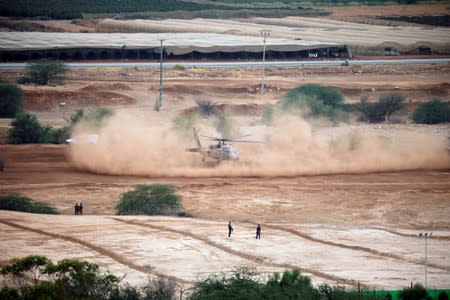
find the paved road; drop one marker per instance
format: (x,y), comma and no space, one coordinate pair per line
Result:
(239,64)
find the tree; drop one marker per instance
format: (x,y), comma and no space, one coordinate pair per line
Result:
(81,280)
(67,279)
(291,285)
(432,112)
(315,100)
(25,129)
(382,110)
(17,202)
(390,103)
(243,283)
(417,292)
(160,289)
(10,99)
(19,270)
(153,199)
(46,71)
(207,107)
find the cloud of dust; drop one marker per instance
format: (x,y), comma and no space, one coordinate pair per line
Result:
(129,146)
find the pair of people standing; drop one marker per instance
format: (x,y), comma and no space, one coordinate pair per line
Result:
(258,230)
(79,208)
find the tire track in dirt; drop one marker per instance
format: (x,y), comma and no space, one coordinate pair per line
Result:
(358,248)
(114,256)
(246,256)
(435,237)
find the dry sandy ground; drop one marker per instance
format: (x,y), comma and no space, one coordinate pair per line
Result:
(340,214)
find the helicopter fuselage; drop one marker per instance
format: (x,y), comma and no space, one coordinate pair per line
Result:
(222,151)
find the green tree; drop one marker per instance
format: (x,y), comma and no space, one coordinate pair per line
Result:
(67,279)
(243,283)
(25,129)
(291,285)
(81,280)
(17,202)
(20,269)
(381,110)
(153,199)
(46,71)
(316,100)
(432,112)
(417,292)
(160,289)
(390,103)
(10,99)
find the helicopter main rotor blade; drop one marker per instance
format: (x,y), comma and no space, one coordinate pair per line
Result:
(239,141)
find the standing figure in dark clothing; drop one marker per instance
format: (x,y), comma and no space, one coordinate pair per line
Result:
(230,229)
(76,208)
(258,232)
(80,207)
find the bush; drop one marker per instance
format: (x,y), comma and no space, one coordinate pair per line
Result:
(207,107)
(17,202)
(68,279)
(44,72)
(417,292)
(316,100)
(153,199)
(432,112)
(268,115)
(25,129)
(382,110)
(178,67)
(390,103)
(10,99)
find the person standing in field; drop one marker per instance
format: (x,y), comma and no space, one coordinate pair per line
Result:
(76,208)
(230,229)
(258,232)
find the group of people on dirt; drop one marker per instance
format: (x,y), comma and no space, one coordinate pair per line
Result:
(79,208)
(258,230)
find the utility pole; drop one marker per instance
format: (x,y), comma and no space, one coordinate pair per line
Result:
(161,50)
(264,35)
(426,236)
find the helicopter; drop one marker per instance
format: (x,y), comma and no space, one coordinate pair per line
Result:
(223,150)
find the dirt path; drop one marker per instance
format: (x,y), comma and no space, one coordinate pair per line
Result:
(102,251)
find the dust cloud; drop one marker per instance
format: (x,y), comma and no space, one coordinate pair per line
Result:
(129,146)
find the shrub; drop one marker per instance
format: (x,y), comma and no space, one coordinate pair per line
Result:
(382,110)
(178,67)
(160,288)
(370,112)
(68,279)
(390,103)
(44,72)
(25,129)
(24,80)
(243,283)
(267,115)
(206,107)
(432,112)
(52,135)
(315,100)
(417,292)
(17,202)
(10,99)
(153,199)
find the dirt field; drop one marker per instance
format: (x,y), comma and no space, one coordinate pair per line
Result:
(341,217)
(343,202)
